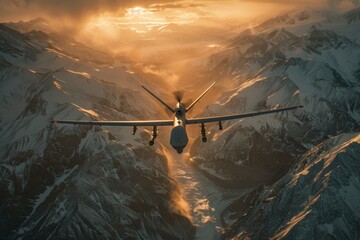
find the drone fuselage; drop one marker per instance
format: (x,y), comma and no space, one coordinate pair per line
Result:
(178,137)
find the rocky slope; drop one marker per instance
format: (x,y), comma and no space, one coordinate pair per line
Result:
(318,199)
(72,182)
(288,60)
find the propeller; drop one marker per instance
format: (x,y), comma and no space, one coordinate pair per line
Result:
(179,95)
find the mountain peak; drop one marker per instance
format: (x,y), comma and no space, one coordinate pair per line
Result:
(299,204)
(39,23)
(352,15)
(38,20)
(280,36)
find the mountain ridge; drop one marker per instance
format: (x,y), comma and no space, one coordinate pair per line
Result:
(316,69)
(317,198)
(66,182)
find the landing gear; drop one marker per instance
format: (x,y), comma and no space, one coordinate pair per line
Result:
(203,132)
(154,135)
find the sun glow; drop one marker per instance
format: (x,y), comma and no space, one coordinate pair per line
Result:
(137,11)
(159,31)
(140,20)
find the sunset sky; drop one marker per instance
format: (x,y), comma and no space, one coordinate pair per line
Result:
(114,24)
(186,10)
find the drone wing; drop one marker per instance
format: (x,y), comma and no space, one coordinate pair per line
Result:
(117,123)
(237,116)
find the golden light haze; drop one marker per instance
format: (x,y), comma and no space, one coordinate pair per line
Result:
(169,34)
(139,31)
(156,31)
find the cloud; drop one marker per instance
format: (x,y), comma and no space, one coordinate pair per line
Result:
(80,9)
(73,9)
(175,5)
(73,15)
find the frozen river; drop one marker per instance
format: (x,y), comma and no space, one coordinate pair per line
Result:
(205,200)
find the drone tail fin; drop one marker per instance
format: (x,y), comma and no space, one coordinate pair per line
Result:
(192,105)
(159,99)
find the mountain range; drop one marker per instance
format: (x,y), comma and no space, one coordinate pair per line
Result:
(80,182)
(314,63)
(65,182)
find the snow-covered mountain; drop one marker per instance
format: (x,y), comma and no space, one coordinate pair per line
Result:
(38,24)
(313,62)
(353,16)
(73,182)
(318,199)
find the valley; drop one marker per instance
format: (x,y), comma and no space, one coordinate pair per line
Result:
(290,175)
